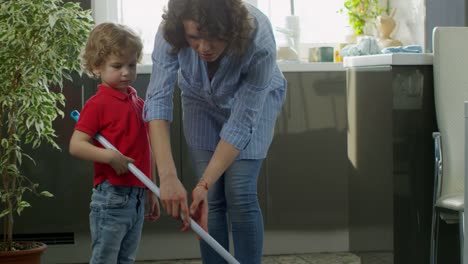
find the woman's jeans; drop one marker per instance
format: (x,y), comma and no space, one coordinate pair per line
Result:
(116,220)
(233,200)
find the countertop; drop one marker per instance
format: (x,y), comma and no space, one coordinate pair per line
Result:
(388,59)
(284,67)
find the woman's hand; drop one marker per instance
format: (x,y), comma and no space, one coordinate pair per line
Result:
(174,200)
(173,194)
(199,206)
(153,212)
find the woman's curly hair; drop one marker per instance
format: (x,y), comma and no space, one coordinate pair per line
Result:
(227,20)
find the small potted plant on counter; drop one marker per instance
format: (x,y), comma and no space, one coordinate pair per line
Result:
(360,13)
(41,41)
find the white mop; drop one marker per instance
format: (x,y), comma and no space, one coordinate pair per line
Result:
(145,180)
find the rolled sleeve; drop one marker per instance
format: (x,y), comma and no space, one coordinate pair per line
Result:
(159,96)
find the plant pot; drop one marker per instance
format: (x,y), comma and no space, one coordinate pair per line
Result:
(26,256)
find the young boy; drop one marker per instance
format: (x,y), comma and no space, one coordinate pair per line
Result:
(115,111)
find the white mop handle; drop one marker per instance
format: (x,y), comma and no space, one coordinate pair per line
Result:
(150,184)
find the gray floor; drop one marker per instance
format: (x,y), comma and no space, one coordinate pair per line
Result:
(315,258)
(376,258)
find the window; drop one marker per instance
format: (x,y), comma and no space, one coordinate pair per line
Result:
(319,21)
(144,18)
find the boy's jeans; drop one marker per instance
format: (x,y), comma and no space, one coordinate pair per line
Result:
(116,220)
(233,195)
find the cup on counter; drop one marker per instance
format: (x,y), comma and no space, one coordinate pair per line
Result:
(326,54)
(313,55)
(321,54)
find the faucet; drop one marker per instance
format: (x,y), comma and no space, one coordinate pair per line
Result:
(292,34)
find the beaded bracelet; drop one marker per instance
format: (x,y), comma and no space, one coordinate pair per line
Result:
(202,183)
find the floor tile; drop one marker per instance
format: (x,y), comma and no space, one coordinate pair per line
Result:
(193,262)
(376,257)
(292,259)
(270,260)
(332,258)
(315,258)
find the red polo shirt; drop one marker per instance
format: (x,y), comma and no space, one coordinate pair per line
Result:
(117,117)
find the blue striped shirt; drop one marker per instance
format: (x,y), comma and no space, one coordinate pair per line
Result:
(239,104)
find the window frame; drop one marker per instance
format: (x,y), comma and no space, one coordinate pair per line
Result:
(106,11)
(110,11)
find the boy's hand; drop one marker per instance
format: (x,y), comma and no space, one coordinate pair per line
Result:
(152,210)
(119,162)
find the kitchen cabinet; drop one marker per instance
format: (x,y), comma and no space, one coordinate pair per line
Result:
(304,185)
(391,119)
(303,181)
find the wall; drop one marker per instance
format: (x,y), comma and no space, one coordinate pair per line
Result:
(416,19)
(410,18)
(444,13)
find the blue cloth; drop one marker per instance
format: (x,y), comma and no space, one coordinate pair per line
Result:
(403,49)
(365,46)
(239,105)
(234,194)
(116,221)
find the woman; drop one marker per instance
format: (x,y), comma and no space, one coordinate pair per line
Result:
(223,55)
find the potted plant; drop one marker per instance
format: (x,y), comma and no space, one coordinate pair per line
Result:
(41,42)
(361,12)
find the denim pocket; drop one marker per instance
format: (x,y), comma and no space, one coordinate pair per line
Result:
(116,200)
(97,200)
(107,199)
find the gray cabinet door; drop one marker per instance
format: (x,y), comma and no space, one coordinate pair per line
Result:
(305,173)
(391,119)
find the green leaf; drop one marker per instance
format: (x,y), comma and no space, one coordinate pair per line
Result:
(4,213)
(46,194)
(5,143)
(21,206)
(52,20)
(361,12)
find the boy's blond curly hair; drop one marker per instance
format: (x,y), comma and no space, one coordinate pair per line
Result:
(109,39)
